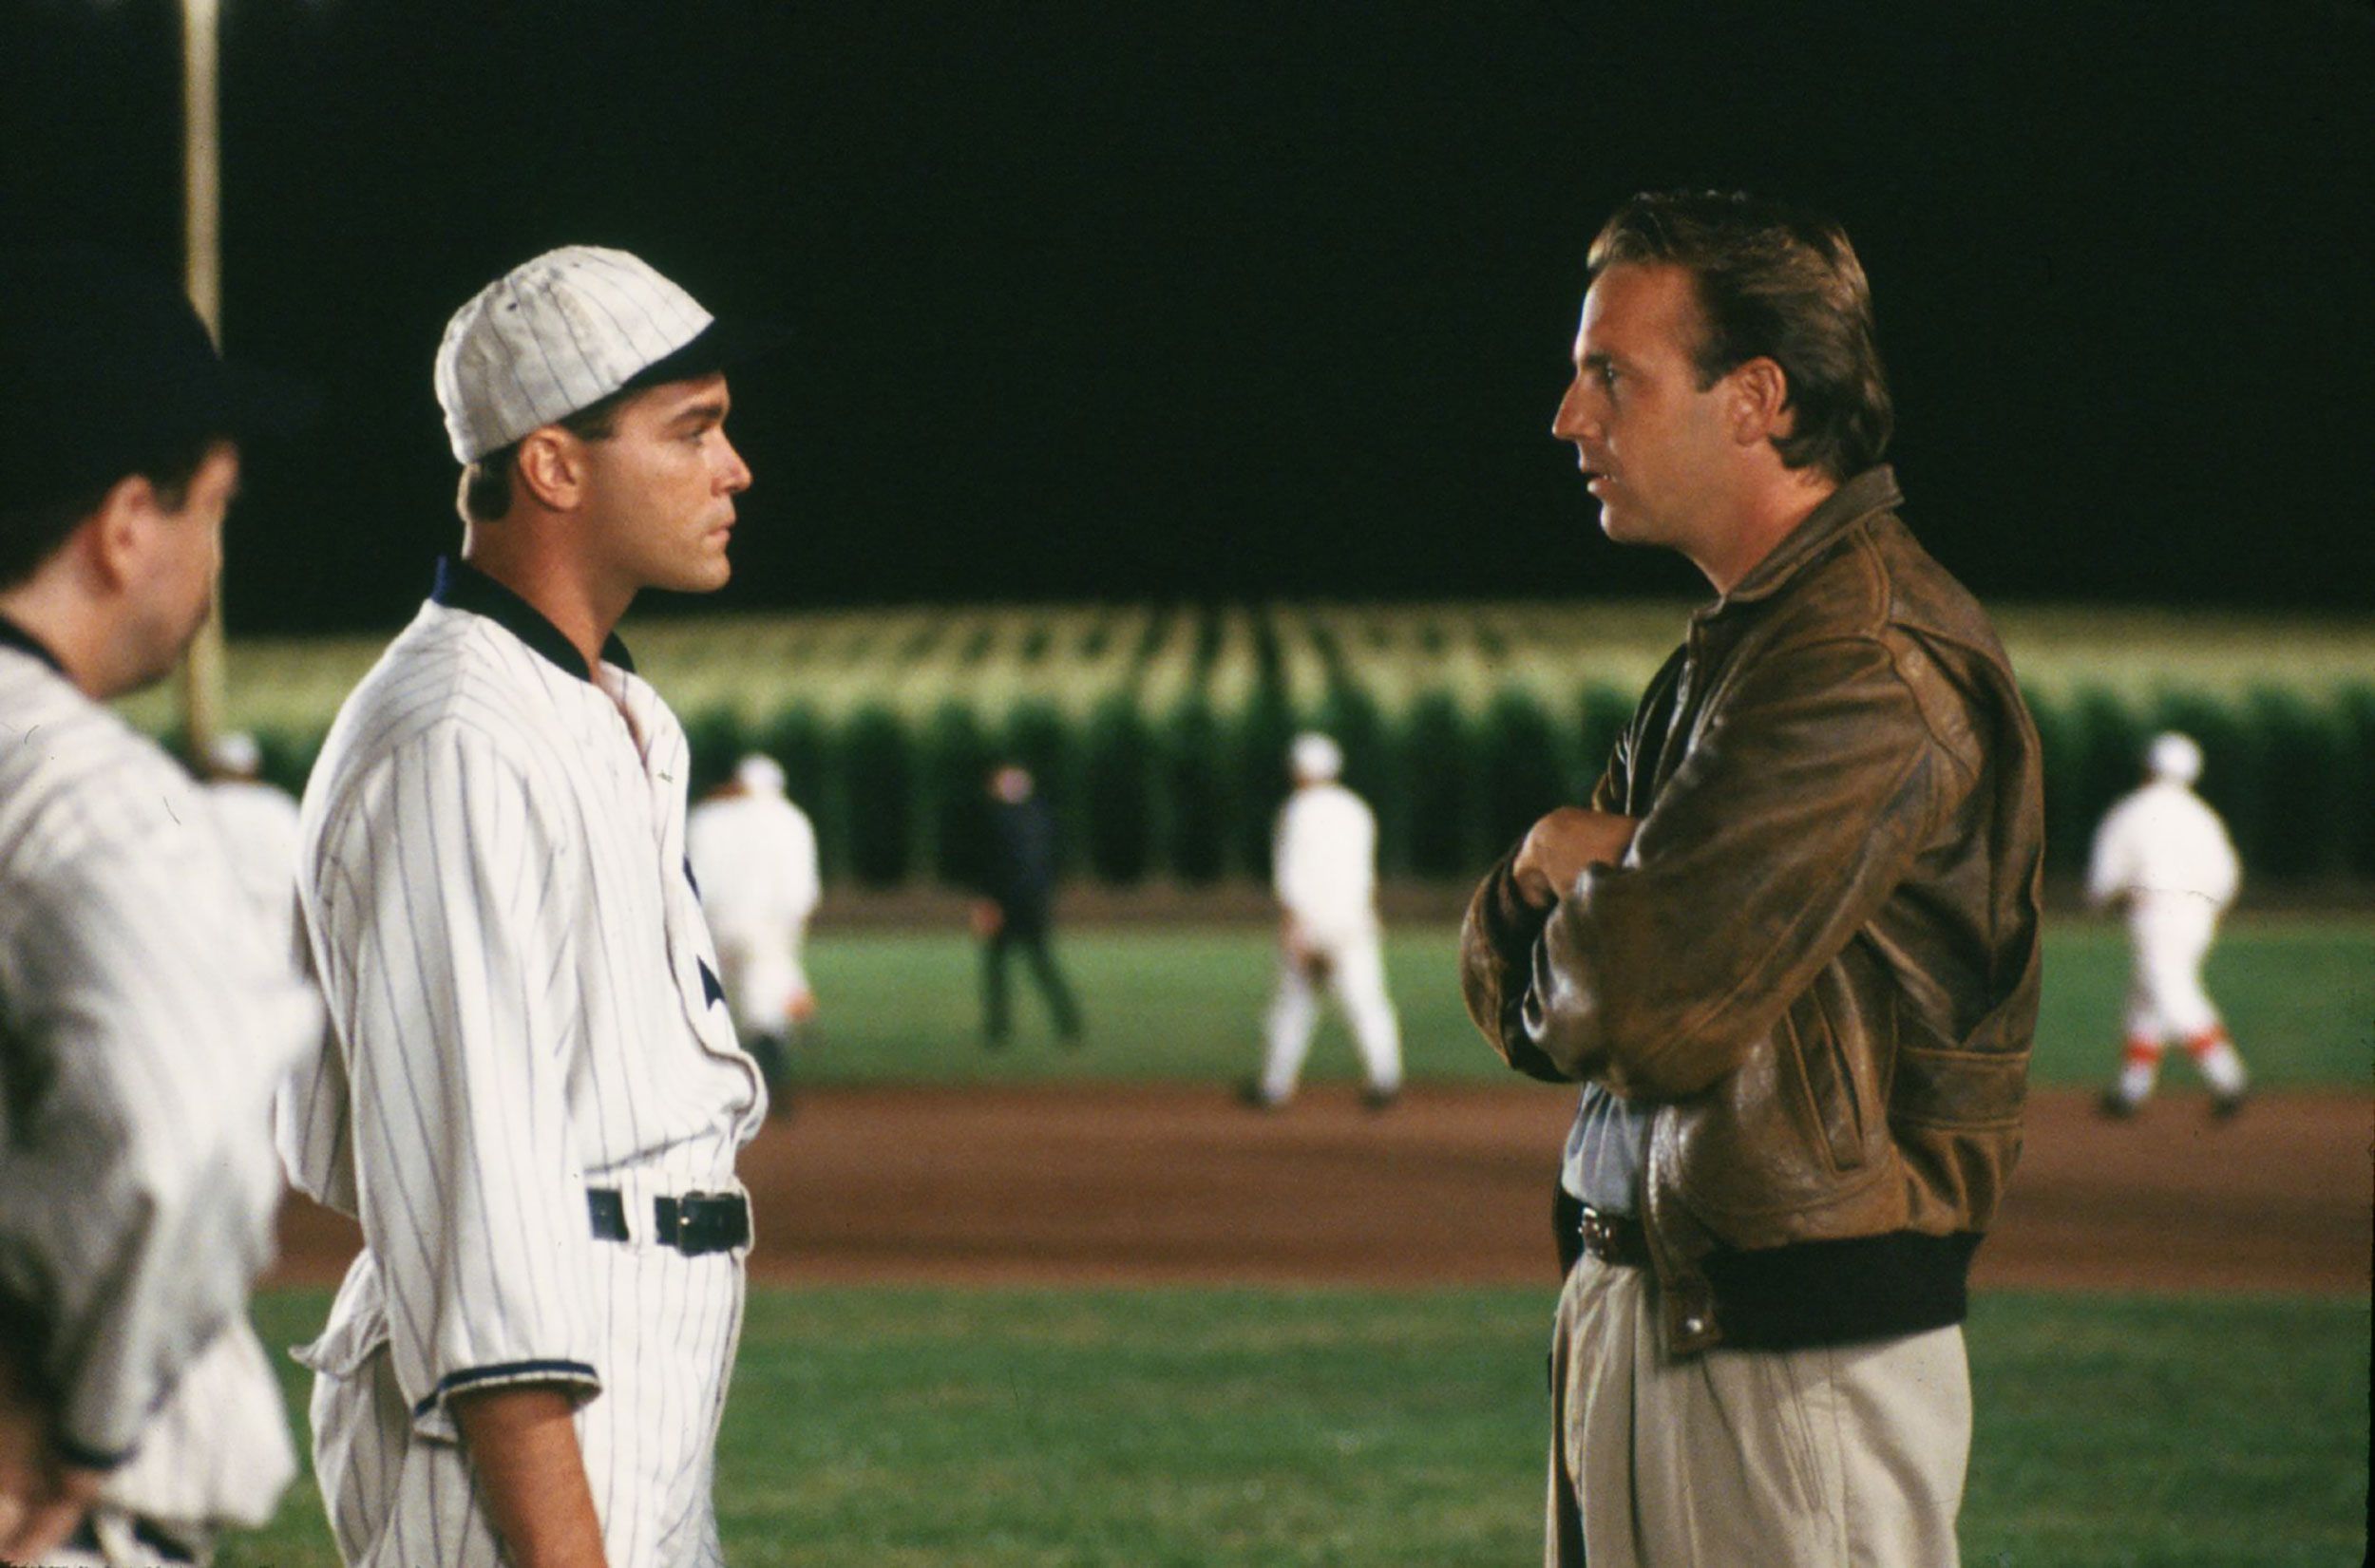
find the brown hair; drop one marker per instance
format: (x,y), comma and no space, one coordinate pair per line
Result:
(32,532)
(486,493)
(1773,282)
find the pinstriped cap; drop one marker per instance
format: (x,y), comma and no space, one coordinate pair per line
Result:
(560,332)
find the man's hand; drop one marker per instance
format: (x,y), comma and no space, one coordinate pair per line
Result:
(524,1447)
(1559,847)
(988,919)
(41,1499)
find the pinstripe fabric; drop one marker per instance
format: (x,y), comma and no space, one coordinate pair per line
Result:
(546,339)
(493,887)
(143,1022)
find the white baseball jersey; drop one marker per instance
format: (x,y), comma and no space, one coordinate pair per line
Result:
(525,1006)
(2163,839)
(259,823)
(754,857)
(1324,862)
(144,1024)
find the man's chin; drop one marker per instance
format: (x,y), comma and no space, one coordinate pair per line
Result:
(706,576)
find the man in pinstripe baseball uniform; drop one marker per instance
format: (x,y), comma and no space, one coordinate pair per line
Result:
(144,1018)
(534,1097)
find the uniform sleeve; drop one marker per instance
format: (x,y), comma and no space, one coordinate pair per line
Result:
(807,886)
(1811,788)
(445,916)
(2226,867)
(145,1026)
(2110,866)
(1287,854)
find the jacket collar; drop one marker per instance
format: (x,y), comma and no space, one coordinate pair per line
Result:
(13,635)
(1873,491)
(462,586)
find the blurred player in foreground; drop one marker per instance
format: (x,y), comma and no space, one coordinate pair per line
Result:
(535,1098)
(1016,906)
(1791,949)
(2164,860)
(1325,871)
(753,854)
(144,1018)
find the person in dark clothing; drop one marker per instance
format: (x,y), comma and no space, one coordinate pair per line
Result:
(1015,878)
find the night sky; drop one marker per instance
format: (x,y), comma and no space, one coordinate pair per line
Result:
(1271,300)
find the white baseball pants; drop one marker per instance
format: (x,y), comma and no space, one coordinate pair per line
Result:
(1354,968)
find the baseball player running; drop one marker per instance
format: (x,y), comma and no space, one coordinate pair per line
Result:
(2162,856)
(753,856)
(143,1018)
(535,1097)
(1325,871)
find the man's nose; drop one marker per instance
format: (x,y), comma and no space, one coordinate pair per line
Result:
(735,477)
(1573,415)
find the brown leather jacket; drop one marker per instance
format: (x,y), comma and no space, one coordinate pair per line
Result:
(1820,957)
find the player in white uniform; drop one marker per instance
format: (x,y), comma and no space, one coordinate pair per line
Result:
(144,1020)
(261,822)
(534,1099)
(754,857)
(2163,856)
(1325,872)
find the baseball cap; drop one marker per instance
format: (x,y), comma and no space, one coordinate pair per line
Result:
(1314,756)
(2174,756)
(567,329)
(760,774)
(104,365)
(235,752)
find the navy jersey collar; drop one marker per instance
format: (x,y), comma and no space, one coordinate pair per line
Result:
(462,586)
(13,635)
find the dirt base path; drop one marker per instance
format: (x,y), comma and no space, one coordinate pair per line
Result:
(1123,1184)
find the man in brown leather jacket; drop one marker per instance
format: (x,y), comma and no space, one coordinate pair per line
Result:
(1791,949)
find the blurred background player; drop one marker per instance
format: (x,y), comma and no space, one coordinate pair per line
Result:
(1325,874)
(260,820)
(753,857)
(2163,859)
(143,1023)
(1016,880)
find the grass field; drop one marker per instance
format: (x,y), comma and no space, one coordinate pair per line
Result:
(996,1428)
(1191,1428)
(2299,995)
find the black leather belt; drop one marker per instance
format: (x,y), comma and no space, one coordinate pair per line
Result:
(697,1223)
(1613,1237)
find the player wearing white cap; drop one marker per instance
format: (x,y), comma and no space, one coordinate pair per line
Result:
(2163,857)
(143,1021)
(753,857)
(1324,855)
(535,1098)
(261,822)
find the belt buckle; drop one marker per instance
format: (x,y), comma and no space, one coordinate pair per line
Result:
(701,1222)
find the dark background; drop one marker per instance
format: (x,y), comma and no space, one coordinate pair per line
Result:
(1250,300)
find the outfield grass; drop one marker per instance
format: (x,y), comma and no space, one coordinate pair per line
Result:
(1187,1003)
(1187,1428)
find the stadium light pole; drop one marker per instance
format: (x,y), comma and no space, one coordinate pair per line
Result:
(202,200)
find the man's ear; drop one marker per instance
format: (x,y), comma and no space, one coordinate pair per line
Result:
(118,534)
(1761,408)
(551,465)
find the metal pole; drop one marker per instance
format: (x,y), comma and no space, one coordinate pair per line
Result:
(201,185)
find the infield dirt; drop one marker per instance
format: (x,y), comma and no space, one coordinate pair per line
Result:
(1149,1183)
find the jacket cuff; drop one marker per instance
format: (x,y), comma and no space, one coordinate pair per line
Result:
(1496,963)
